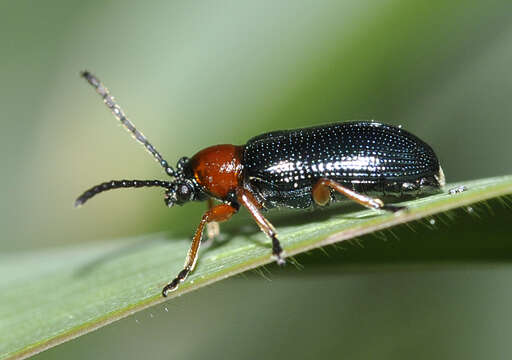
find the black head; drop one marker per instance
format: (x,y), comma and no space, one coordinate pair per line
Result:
(184,188)
(178,191)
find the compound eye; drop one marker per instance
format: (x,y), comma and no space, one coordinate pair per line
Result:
(184,192)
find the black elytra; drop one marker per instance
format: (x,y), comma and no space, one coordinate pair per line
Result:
(367,157)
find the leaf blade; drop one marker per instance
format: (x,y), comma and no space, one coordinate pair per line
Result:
(78,289)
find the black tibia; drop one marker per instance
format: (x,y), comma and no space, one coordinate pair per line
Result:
(318,194)
(252,205)
(220,212)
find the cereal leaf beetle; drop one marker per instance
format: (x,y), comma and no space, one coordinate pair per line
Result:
(298,168)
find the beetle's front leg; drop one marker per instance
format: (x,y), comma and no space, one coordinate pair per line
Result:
(322,195)
(246,198)
(218,213)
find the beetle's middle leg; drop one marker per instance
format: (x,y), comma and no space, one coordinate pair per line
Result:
(218,213)
(322,195)
(247,199)
(212,227)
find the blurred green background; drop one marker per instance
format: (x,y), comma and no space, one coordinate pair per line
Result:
(193,74)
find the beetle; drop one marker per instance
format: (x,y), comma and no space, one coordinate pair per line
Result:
(302,168)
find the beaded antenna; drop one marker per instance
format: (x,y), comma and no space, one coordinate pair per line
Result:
(137,135)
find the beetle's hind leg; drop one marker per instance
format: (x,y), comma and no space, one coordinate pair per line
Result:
(218,213)
(322,195)
(246,198)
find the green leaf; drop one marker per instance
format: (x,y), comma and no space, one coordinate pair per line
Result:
(51,296)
